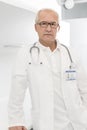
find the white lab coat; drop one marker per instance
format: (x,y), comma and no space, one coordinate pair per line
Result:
(39,81)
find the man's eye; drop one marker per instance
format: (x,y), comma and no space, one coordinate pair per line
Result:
(44,23)
(53,24)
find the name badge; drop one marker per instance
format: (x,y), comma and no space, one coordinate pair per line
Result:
(70,74)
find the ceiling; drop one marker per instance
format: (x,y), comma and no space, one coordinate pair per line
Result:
(33,5)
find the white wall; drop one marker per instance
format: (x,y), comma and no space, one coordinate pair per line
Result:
(16,25)
(16,28)
(6,60)
(78,38)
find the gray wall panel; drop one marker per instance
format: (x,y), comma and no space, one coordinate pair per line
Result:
(78,11)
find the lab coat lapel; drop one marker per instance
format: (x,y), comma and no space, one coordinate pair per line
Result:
(43,59)
(64,66)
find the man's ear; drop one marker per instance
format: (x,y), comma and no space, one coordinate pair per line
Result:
(58,28)
(35,27)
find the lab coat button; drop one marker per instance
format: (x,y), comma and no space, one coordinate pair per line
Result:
(29,63)
(41,63)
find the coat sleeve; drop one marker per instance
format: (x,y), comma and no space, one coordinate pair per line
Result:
(82,83)
(18,89)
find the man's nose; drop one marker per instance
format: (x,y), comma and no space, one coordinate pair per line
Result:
(49,27)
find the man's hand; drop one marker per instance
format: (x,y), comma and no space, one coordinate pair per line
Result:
(17,128)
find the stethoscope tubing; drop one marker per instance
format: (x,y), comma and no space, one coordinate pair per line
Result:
(68,52)
(34,46)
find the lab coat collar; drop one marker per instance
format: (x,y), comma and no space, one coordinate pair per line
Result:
(47,48)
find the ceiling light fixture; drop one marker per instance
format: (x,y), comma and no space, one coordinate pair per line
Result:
(69,4)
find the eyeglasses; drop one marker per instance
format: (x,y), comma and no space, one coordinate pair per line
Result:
(45,24)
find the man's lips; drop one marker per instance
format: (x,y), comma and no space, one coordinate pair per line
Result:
(48,34)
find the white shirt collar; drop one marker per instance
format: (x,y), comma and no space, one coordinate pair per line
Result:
(47,48)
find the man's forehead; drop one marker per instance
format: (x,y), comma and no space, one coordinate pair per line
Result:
(48,17)
(47,12)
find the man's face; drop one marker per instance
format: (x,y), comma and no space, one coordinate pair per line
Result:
(47,26)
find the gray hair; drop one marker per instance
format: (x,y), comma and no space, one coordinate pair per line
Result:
(45,9)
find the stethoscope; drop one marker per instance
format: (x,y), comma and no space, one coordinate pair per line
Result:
(34,47)
(70,73)
(70,57)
